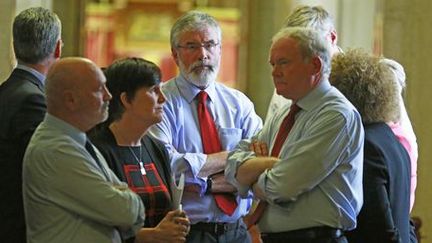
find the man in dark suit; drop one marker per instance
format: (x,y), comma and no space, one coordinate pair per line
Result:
(37,45)
(370,85)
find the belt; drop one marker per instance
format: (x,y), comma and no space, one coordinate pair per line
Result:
(308,233)
(215,228)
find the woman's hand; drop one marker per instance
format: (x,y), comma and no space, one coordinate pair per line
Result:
(173,228)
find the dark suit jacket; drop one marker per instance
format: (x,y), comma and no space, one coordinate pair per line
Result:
(384,216)
(22,108)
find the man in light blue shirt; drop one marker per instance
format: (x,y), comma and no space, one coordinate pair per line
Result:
(196,48)
(313,186)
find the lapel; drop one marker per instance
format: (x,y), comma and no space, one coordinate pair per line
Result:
(164,172)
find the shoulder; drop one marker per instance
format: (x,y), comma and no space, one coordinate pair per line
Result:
(21,90)
(230,92)
(380,138)
(233,98)
(154,145)
(335,102)
(378,134)
(102,138)
(49,143)
(169,88)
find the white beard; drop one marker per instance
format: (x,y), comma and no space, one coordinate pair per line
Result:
(203,78)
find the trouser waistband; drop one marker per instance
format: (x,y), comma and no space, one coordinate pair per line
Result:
(216,228)
(308,233)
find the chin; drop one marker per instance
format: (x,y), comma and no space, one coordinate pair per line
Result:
(104,117)
(158,119)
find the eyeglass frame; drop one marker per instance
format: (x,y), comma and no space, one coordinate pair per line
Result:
(194,46)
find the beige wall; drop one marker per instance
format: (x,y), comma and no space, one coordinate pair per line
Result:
(262,20)
(407,38)
(7,12)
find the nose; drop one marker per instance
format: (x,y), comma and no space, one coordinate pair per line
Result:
(161,96)
(203,53)
(107,94)
(274,70)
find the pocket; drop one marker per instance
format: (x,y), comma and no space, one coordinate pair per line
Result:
(230,137)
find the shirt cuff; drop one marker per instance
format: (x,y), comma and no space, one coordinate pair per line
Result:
(261,182)
(233,163)
(196,161)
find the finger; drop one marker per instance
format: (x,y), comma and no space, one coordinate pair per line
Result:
(251,146)
(170,215)
(181,220)
(264,149)
(178,213)
(257,148)
(181,239)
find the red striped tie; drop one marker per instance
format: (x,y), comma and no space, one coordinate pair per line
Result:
(211,144)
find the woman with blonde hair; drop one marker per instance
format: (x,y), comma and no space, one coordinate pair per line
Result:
(370,86)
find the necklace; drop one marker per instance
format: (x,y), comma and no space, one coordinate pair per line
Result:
(138,159)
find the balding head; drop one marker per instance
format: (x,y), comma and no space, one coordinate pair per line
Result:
(76,92)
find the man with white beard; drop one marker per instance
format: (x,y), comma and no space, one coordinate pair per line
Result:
(203,120)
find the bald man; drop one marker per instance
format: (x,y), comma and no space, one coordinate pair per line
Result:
(70,194)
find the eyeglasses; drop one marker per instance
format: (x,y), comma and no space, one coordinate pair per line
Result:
(193,47)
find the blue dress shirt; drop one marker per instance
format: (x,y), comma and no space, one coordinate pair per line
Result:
(235,119)
(318,179)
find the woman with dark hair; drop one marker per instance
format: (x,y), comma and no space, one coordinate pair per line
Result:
(133,155)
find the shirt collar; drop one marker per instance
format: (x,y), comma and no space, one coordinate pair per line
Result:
(33,71)
(190,91)
(314,96)
(67,128)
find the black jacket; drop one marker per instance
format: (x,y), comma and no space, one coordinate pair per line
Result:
(384,216)
(22,108)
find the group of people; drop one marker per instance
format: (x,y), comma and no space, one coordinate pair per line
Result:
(92,155)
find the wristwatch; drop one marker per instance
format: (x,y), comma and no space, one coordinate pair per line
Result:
(209,185)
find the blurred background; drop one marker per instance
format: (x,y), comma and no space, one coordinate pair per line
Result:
(104,30)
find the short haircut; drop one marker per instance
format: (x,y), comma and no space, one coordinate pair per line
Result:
(128,75)
(368,83)
(35,34)
(193,21)
(314,17)
(311,44)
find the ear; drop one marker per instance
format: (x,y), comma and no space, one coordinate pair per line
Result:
(70,100)
(333,37)
(174,54)
(58,49)
(124,100)
(316,65)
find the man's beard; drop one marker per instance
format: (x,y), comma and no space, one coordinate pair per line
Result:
(201,78)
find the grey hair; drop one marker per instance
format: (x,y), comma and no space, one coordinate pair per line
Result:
(311,44)
(35,34)
(397,70)
(314,17)
(193,21)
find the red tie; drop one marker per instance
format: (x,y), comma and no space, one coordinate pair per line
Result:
(210,139)
(284,130)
